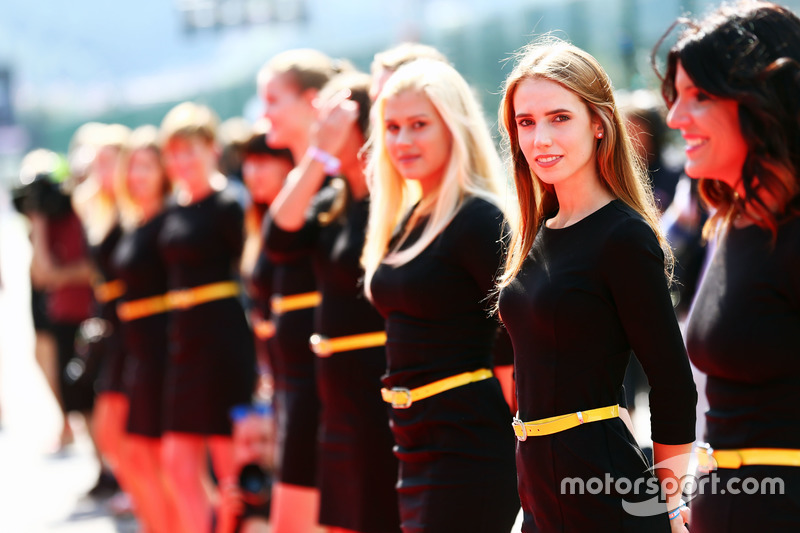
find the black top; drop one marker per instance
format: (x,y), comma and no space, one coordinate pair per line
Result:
(336,251)
(211,359)
(586,296)
(437,305)
(744,332)
(111,374)
(202,242)
(138,264)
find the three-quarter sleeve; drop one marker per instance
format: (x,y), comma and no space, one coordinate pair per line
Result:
(633,267)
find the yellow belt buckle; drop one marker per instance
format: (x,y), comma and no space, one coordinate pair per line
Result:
(180,299)
(705,458)
(400,391)
(320,345)
(520,430)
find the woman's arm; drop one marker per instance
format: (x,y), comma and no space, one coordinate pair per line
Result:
(336,121)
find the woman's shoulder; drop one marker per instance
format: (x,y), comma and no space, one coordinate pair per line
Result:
(476,211)
(627,232)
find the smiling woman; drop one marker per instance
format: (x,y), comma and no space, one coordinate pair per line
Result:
(586,265)
(430,267)
(732,82)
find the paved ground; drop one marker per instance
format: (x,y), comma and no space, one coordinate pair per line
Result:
(39,492)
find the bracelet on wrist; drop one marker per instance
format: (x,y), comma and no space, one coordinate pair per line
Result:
(330,163)
(675,513)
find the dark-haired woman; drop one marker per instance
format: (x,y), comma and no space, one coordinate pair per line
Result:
(357,470)
(732,85)
(264,170)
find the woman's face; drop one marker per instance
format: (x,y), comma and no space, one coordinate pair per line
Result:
(557,132)
(417,140)
(104,167)
(290,112)
(715,147)
(145,176)
(264,176)
(189,162)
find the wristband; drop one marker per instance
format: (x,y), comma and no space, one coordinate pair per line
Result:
(675,513)
(331,163)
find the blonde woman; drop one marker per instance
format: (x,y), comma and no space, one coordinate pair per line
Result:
(211,365)
(95,203)
(432,251)
(142,193)
(584,285)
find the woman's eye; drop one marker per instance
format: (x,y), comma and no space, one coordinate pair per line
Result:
(703,97)
(525,122)
(418,124)
(392,128)
(560,118)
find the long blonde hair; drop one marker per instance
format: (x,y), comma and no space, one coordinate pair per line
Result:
(618,166)
(94,205)
(473,168)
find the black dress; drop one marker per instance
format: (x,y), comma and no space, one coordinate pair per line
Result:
(295,397)
(138,264)
(456,449)
(585,297)
(744,333)
(211,363)
(111,347)
(357,471)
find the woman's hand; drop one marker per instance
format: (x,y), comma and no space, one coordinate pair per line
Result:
(335,122)
(679,524)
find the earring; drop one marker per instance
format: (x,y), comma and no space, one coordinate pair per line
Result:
(599,134)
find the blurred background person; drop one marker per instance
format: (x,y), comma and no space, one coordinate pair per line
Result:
(386,62)
(211,365)
(95,203)
(264,171)
(289,84)
(60,273)
(143,190)
(357,471)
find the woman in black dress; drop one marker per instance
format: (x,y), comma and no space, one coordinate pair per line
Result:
(288,84)
(432,252)
(733,87)
(211,365)
(585,285)
(95,203)
(141,193)
(264,170)
(356,468)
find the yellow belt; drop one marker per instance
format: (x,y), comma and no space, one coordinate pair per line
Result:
(186,298)
(295,302)
(264,329)
(402,398)
(178,299)
(325,347)
(135,309)
(110,290)
(709,459)
(554,424)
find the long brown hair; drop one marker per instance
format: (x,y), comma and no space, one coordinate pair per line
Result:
(618,166)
